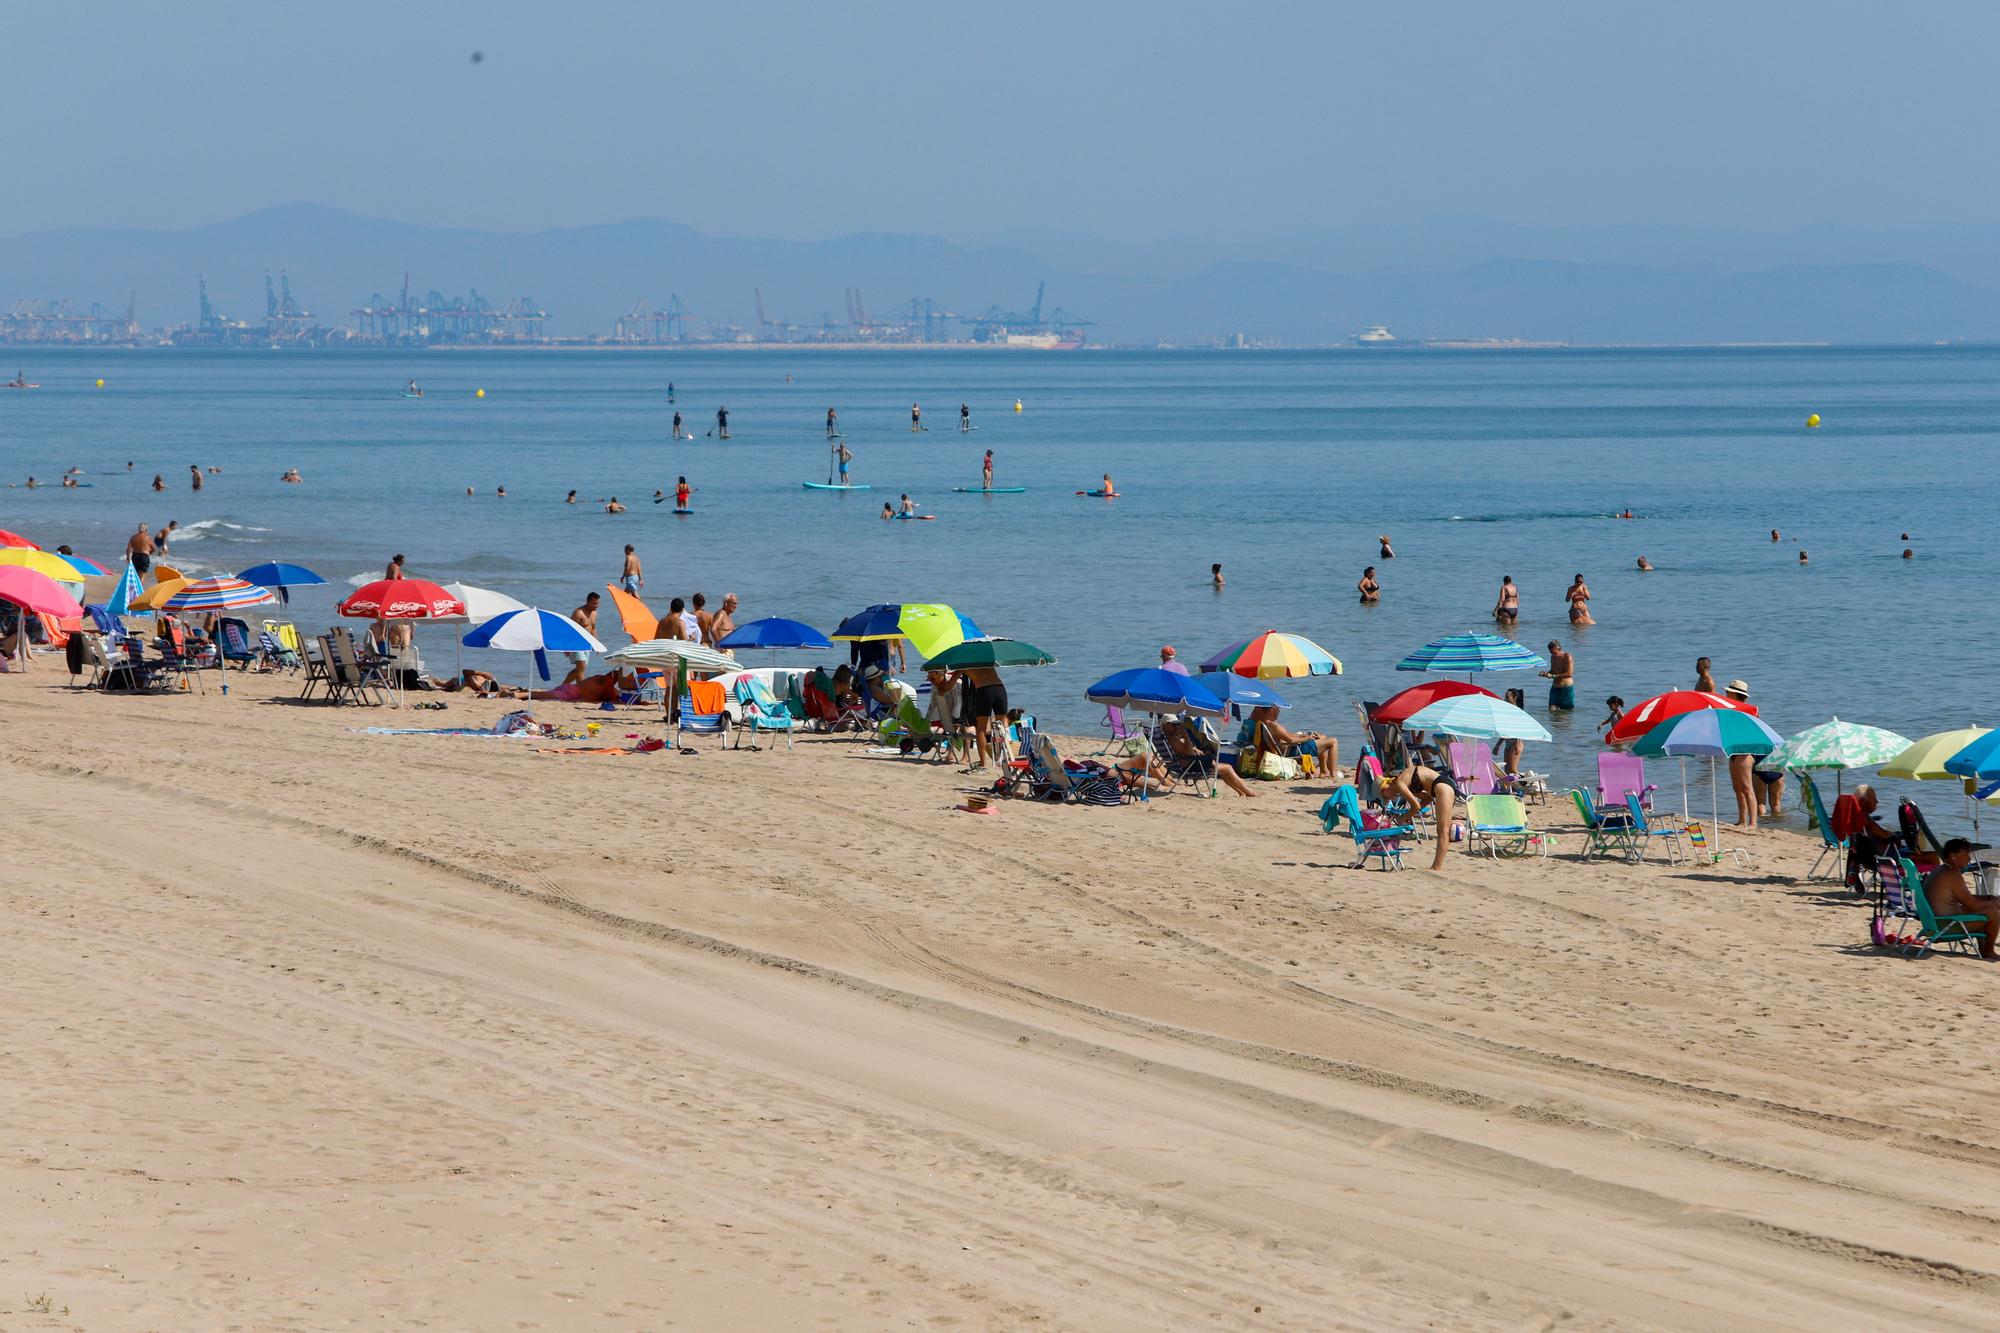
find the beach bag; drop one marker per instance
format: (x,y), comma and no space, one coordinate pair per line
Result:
(1274,767)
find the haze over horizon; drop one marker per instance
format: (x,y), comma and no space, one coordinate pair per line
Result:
(1134,124)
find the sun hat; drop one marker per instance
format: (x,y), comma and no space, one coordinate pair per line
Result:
(1737,687)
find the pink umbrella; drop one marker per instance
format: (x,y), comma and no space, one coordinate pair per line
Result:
(35,594)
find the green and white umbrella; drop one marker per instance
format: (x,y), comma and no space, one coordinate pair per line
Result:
(1839,746)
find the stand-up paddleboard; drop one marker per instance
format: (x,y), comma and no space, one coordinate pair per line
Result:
(412,395)
(1102,495)
(683,512)
(989,490)
(833,486)
(917,518)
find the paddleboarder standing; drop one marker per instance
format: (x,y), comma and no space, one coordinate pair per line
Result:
(964,416)
(986,472)
(916,417)
(843,456)
(722,422)
(832,425)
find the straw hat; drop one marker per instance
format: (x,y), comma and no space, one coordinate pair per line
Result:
(1737,687)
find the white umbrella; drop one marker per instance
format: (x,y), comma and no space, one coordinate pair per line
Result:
(662,654)
(481,604)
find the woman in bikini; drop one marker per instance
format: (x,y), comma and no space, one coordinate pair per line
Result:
(1579,602)
(1417,787)
(1507,607)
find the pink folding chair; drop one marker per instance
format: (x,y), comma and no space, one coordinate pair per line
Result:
(1619,773)
(1472,766)
(1114,718)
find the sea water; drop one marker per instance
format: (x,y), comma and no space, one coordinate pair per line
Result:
(1282,466)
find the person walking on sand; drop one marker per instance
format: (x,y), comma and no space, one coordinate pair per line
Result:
(1562,679)
(722,423)
(986,472)
(633,576)
(964,417)
(1579,602)
(585,616)
(1507,607)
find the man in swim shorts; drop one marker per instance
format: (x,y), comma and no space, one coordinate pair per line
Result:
(586,616)
(633,577)
(1562,678)
(139,550)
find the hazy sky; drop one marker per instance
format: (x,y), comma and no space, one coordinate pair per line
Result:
(1135,120)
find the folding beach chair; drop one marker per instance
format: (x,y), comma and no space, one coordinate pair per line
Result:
(1618,773)
(1832,850)
(1606,830)
(1053,779)
(354,682)
(317,660)
(1114,719)
(1903,919)
(1375,835)
(759,711)
(1645,832)
(232,640)
(701,724)
(1472,766)
(1497,824)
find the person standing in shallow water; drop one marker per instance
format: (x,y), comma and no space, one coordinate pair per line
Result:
(1562,679)
(1579,602)
(1507,607)
(1370,590)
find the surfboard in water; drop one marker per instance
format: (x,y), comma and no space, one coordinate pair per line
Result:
(989,490)
(831,486)
(918,518)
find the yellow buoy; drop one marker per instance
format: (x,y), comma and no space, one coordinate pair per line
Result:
(1813,420)
(482,394)
(100,384)
(1017,404)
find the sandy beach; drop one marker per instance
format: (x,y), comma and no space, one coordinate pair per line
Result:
(315,1029)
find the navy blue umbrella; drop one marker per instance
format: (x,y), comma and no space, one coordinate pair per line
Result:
(279,575)
(1151,690)
(775,632)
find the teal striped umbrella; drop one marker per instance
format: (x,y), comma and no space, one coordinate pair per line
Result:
(1472,652)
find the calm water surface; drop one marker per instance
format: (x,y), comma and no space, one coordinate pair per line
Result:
(1283,466)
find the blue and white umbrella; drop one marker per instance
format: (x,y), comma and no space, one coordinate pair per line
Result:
(128,590)
(534,631)
(1476,716)
(1472,652)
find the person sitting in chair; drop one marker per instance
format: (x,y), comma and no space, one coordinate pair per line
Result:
(1264,732)
(1951,895)
(1192,753)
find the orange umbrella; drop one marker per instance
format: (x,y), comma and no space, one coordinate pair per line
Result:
(640,623)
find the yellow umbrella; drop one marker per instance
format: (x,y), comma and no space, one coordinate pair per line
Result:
(150,599)
(42,562)
(1924,761)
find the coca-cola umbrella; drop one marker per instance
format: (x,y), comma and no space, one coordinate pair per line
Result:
(401,599)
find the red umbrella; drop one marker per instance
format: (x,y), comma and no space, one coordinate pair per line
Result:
(401,599)
(16,539)
(1399,706)
(1662,707)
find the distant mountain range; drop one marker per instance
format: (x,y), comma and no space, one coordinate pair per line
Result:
(1447,279)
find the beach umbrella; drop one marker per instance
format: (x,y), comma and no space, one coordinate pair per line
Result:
(1925,759)
(1240,690)
(533,630)
(1400,705)
(481,604)
(1275,656)
(931,627)
(1715,733)
(1839,746)
(84,567)
(1477,716)
(149,600)
(1980,759)
(35,594)
(45,563)
(401,599)
(667,654)
(129,590)
(989,653)
(281,576)
(1650,713)
(1151,690)
(1472,652)
(214,594)
(775,632)
(639,621)
(17,540)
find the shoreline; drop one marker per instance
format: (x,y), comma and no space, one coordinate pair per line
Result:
(565,1040)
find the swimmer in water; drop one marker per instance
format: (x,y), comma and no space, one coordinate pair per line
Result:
(1370,590)
(1774,534)
(1802,557)
(1388,553)
(888,510)
(1579,602)
(1908,554)
(1215,574)
(570,499)
(1507,606)
(909,506)
(613,507)
(1645,564)
(500,491)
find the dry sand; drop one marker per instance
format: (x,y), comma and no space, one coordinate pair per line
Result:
(312,1029)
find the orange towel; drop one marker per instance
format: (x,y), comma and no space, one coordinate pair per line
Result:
(706,696)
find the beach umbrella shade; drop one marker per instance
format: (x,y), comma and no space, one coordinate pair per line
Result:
(281,576)
(1716,733)
(1925,760)
(401,599)
(129,590)
(1839,746)
(931,627)
(1650,713)
(1980,759)
(149,600)
(481,604)
(1275,656)
(35,594)
(214,594)
(86,568)
(989,653)
(15,539)
(1400,705)
(1472,652)
(774,632)
(1477,716)
(1240,690)
(45,563)
(668,654)
(533,630)
(1151,690)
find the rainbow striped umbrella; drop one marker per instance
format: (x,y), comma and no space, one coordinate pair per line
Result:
(216,594)
(1274,656)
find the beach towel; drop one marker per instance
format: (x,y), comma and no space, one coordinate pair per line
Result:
(706,696)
